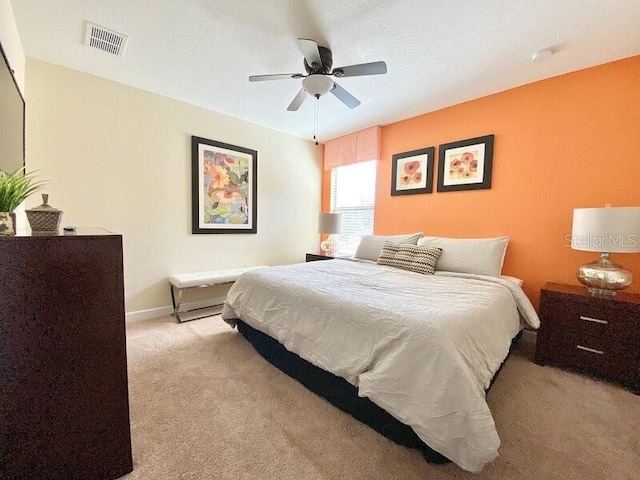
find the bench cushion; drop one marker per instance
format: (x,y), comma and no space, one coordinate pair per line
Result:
(214,277)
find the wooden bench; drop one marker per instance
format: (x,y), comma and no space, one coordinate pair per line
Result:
(183,281)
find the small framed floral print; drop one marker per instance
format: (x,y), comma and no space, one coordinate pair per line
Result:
(224,183)
(466,164)
(412,172)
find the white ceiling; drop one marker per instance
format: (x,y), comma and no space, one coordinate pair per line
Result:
(438,52)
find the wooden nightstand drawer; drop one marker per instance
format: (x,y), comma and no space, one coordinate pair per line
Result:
(608,320)
(599,356)
(593,344)
(592,320)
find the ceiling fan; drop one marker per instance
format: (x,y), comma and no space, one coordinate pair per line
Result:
(317,82)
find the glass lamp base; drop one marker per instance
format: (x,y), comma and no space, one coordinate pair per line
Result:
(329,246)
(604,277)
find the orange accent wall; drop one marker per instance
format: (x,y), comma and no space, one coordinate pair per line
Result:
(565,142)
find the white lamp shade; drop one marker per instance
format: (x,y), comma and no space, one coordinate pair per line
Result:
(609,229)
(330,223)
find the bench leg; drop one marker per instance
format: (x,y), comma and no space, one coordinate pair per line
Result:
(176,300)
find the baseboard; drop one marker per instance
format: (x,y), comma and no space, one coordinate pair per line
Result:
(529,336)
(139,315)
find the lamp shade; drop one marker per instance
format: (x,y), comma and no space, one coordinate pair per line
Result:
(330,223)
(609,229)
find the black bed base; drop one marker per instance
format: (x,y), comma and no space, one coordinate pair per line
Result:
(341,393)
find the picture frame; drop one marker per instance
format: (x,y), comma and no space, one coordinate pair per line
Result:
(412,172)
(466,164)
(224,187)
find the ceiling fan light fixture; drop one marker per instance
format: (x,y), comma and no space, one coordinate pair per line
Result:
(317,84)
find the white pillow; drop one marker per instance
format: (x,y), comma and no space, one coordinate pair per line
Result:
(482,256)
(516,280)
(371,245)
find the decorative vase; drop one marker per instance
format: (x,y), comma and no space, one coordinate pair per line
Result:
(44,219)
(7,223)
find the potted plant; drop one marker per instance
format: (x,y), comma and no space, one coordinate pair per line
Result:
(14,189)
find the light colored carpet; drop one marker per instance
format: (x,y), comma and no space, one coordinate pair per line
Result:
(205,405)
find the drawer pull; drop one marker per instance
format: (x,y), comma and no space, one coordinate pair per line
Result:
(592,350)
(594,320)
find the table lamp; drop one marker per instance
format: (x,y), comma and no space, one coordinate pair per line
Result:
(329,223)
(606,230)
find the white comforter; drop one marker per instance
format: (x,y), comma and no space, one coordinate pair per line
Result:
(423,347)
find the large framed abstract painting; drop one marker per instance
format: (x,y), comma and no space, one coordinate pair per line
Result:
(412,172)
(224,186)
(466,164)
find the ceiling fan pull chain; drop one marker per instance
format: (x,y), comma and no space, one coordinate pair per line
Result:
(315,122)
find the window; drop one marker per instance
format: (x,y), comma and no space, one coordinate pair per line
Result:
(353,192)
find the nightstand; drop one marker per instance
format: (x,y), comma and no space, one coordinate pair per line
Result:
(314,257)
(597,335)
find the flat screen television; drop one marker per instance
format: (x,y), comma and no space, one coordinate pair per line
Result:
(11,119)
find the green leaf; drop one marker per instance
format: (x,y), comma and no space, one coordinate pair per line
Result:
(16,187)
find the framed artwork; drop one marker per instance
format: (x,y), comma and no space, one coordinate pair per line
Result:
(224,186)
(412,172)
(465,165)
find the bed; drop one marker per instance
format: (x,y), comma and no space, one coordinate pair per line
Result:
(422,348)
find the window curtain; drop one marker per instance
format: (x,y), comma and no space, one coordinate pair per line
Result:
(353,148)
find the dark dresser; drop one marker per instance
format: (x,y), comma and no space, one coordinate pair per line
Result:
(64,406)
(596,335)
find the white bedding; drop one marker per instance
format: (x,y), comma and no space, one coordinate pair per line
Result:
(423,347)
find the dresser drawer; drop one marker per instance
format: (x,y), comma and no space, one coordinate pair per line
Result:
(593,320)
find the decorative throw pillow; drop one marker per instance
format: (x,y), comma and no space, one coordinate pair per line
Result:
(482,256)
(409,257)
(371,245)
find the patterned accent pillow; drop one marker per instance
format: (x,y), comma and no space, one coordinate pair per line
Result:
(410,257)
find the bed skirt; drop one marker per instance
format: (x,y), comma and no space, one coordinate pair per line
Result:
(341,393)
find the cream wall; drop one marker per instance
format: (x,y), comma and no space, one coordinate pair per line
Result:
(120,158)
(11,42)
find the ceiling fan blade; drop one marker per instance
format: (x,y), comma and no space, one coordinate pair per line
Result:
(277,76)
(373,68)
(297,101)
(344,96)
(309,49)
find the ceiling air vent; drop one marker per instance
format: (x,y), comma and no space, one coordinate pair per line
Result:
(105,39)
